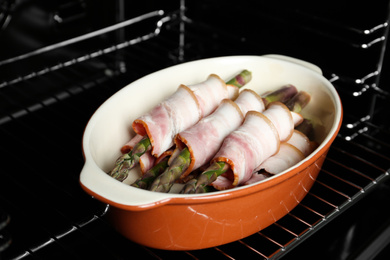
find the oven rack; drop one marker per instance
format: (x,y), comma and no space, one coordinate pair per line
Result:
(354,168)
(364,85)
(179,51)
(363,38)
(87,56)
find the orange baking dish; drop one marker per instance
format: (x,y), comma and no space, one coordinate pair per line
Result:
(194,221)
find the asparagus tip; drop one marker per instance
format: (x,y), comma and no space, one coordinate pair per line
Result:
(127,161)
(299,101)
(240,79)
(122,167)
(282,94)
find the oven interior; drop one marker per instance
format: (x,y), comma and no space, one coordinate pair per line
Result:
(59,60)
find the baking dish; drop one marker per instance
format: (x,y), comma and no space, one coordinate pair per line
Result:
(186,222)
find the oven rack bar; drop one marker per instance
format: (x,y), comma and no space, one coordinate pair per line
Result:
(162,20)
(88,36)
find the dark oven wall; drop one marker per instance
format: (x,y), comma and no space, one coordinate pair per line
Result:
(343,38)
(51,82)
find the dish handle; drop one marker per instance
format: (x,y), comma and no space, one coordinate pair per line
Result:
(296,61)
(106,189)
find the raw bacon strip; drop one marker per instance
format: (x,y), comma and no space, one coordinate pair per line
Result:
(244,149)
(249,100)
(205,138)
(146,161)
(301,142)
(233,91)
(253,142)
(282,119)
(256,177)
(130,144)
(180,111)
(287,156)
(173,115)
(210,93)
(297,118)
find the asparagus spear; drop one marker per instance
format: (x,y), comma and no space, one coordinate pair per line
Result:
(127,161)
(283,94)
(241,79)
(164,182)
(145,180)
(298,102)
(208,176)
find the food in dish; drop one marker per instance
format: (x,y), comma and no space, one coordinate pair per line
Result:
(257,139)
(201,121)
(184,108)
(198,144)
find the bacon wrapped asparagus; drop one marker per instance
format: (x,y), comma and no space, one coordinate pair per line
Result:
(181,110)
(149,176)
(257,139)
(146,160)
(198,144)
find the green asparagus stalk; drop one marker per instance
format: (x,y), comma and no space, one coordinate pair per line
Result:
(189,188)
(208,176)
(241,79)
(127,161)
(296,104)
(282,94)
(145,180)
(165,181)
